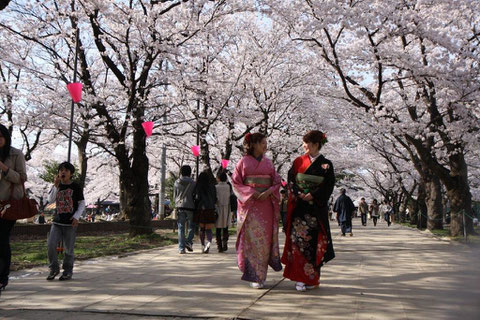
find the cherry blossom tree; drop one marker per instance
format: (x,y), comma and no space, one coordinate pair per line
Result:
(412,66)
(123,47)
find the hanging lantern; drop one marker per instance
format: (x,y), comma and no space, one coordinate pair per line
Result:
(75,90)
(225,163)
(148,128)
(196,150)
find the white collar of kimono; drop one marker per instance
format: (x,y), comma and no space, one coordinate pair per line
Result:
(312,159)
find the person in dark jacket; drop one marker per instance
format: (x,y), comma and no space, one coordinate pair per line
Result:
(205,201)
(344,208)
(184,205)
(41,218)
(363,209)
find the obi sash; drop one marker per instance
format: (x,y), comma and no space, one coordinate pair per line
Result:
(261,183)
(308,182)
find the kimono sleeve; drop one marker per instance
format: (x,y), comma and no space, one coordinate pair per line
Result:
(242,191)
(292,174)
(276,183)
(325,190)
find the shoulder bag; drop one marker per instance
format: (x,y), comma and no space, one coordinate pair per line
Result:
(13,209)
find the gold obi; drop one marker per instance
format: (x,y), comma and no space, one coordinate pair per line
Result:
(261,183)
(308,182)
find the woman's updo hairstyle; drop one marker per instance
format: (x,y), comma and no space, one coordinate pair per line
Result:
(249,140)
(315,136)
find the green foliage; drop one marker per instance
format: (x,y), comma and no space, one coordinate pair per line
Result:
(50,171)
(441,232)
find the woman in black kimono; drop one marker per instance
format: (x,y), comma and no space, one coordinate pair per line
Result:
(308,242)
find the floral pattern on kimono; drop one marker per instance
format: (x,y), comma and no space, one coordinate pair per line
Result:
(257,221)
(308,245)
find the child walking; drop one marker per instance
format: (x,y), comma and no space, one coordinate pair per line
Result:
(70,204)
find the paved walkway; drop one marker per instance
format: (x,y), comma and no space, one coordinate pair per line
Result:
(379,273)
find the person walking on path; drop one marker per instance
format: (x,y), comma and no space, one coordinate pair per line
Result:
(363,209)
(41,218)
(344,208)
(223,211)
(386,210)
(70,204)
(373,209)
(12,176)
(184,203)
(205,201)
(308,243)
(257,185)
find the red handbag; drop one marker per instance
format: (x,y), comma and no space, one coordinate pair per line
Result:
(22,208)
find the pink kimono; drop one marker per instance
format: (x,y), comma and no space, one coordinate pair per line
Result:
(257,229)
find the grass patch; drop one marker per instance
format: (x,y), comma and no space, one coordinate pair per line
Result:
(407,224)
(471,239)
(441,233)
(30,253)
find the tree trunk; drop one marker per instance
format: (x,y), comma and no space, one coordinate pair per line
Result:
(4,4)
(422,207)
(403,208)
(122,198)
(134,185)
(414,209)
(460,204)
(204,150)
(433,201)
(455,180)
(229,143)
(82,158)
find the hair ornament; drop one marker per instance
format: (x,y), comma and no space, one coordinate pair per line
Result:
(247,137)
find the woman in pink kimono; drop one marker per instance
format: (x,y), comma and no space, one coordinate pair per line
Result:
(257,185)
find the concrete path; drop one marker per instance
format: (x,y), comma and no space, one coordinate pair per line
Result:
(379,273)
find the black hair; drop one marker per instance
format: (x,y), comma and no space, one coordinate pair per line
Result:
(343,191)
(222,176)
(283,191)
(204,180)
(315,136)
(5,151)
(67,166)
(249,141)
(186,171)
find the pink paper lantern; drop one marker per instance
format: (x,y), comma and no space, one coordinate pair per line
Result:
(225,163)
(148,127)
(75,90)
(196,150)
(284,183)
